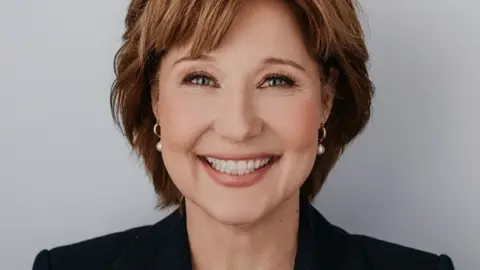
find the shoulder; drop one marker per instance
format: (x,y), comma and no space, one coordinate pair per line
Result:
(96,253)
(147,247)
(379,254)
(343,250)
(365,252)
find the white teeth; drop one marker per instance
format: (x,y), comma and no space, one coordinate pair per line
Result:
(237,167)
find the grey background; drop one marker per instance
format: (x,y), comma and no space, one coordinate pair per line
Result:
(66,174)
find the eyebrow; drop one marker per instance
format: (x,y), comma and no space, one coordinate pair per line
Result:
(279,61)
(268,60)
(190,58)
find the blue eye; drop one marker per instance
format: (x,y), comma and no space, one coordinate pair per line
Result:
(199,79)
(202,78)
(277,80)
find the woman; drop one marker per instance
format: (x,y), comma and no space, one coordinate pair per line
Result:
(239,110)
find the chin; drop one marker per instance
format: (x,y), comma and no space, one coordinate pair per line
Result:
(234,210)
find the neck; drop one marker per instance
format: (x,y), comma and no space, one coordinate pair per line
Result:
(269,244)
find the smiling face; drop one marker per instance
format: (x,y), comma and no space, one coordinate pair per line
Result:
(239,125)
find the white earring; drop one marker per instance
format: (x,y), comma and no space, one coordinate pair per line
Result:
(321,148)
(156,130)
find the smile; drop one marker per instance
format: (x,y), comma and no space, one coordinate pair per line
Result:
(237,167)
(237,172)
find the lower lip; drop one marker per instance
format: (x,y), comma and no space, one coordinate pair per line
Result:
(237,181)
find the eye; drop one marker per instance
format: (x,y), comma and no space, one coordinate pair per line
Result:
(198,78)
(278,80)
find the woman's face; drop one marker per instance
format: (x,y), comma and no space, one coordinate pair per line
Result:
(239,125)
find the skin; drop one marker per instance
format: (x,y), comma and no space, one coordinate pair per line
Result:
(234,110)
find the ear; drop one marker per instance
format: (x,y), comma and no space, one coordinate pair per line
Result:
(328,95)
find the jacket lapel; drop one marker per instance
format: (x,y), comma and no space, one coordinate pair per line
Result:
(163,246)
(322,245)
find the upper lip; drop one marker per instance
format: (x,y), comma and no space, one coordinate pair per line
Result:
(239,156)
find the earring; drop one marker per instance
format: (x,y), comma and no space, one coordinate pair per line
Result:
(321,148)
(156,131)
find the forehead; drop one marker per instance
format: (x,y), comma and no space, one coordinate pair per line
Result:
(259,29)
(264,22)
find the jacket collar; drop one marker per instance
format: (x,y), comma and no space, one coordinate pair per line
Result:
(165,245)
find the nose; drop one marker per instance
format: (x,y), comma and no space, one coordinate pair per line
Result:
(237,120)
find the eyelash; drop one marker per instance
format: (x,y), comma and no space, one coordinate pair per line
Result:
(288,78)
(190,75)
(194,74)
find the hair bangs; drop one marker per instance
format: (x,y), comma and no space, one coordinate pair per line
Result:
(165,24)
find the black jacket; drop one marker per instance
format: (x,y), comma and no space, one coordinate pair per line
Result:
(164,246)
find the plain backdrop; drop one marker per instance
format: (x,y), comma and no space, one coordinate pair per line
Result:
(66,174)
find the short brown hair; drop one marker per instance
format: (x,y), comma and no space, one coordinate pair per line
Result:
(332,34)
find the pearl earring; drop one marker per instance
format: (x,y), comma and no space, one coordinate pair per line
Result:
(156,130)
(321,148)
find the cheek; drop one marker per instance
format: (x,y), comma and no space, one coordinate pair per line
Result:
(295,120)
(182,120)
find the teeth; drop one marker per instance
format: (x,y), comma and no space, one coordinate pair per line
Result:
(234,167)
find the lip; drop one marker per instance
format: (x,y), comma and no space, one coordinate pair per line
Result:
(238,181)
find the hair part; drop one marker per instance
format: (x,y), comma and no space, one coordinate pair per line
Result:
(332,34)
